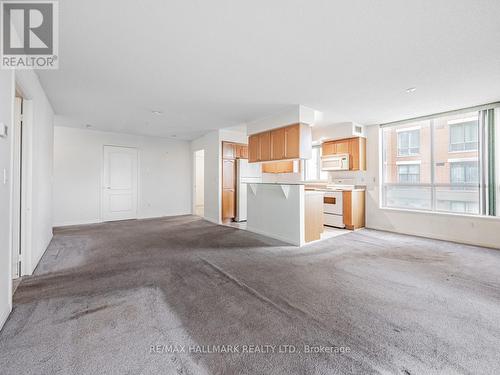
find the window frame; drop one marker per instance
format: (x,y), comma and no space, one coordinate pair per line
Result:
(408,165)
(318,168)
(417,196)
(463,124)
(409,148)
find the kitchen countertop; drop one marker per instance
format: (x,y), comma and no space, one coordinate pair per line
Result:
(276,183)
(328,190)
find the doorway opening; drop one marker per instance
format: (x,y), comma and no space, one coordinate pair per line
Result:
(199,183)
(17,192)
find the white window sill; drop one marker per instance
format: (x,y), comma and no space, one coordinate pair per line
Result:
(439,213)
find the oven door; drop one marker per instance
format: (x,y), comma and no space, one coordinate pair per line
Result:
(332,203)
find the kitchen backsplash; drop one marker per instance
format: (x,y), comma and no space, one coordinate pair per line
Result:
(358,176)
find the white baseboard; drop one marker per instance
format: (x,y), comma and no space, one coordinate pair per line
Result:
(276,237)
(434,236)
(212,220)
(4,315)
(79,222)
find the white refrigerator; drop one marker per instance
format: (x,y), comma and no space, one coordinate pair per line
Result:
(245,173)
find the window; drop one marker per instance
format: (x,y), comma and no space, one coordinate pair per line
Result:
(312,167)
(409,174)
(464,135)
(443,167)
(409,142)
(465,172)
(459,207)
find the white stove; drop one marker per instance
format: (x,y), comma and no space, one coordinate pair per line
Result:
(333,202)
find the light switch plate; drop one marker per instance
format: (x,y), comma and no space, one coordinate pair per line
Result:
(3,130)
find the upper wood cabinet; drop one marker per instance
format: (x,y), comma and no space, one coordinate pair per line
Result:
(355,147)
(329,148)
(278,144)
(228,150)
(234,150)
(287,166)
(343,146)
(253,148)
(265,146)
(290,142)
(241,151)
(357,152)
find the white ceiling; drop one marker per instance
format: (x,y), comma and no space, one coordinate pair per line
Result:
(219,63)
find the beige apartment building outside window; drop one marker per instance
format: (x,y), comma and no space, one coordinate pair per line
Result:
(433,164)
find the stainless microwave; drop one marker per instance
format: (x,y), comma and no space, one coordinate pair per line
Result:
(338,162)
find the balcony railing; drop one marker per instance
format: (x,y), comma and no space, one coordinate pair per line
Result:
(460,198)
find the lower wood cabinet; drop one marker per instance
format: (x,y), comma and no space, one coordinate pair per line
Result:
(353,209)
(313,216)
(228,205)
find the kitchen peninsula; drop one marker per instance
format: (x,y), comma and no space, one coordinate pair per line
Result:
(285,211)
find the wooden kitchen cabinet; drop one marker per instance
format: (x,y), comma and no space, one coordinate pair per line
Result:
(342,147)
(228,189)
(278,144)
(293,141)
(241,152)
(265,146)
(355,147)
(228,205)
(357,152)
(313,216)
(328,148)
(228,150)
(353,209)
(253,148)
(280,167)
(289,142)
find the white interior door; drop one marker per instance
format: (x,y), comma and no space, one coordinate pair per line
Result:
(119,190)
(16,190)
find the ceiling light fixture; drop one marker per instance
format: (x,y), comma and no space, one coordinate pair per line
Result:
(157,112)
(410,90)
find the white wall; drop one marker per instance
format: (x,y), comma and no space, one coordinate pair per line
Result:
(39,116)
(6,113)
(212,144)
(37,186)
(292,115)
(275,215)
(199,178)
(164,174)
(321,133)
(465,229)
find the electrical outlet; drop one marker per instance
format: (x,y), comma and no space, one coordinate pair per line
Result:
(4,130)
